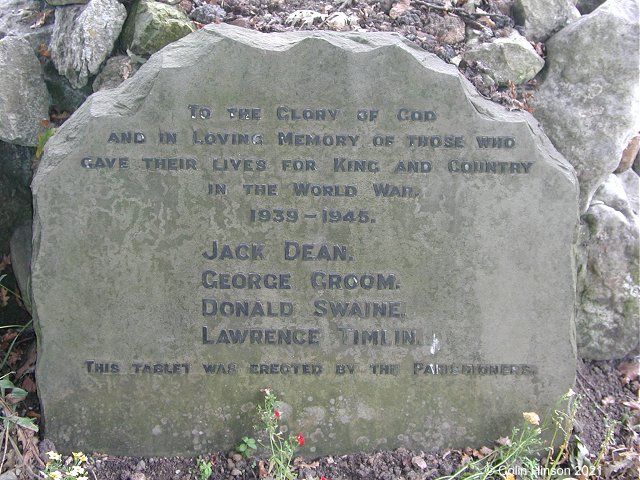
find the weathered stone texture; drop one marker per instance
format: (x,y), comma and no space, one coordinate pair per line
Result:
(24,101)
(589,99)
(543,18)
(83,38)
(152,25)
(509,59)
(608,321)
(473,243)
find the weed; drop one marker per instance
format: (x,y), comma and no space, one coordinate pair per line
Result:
(281,448)
(205,468)
(245,446)
(71,469)
(42,141)
(10,396)
(520,453)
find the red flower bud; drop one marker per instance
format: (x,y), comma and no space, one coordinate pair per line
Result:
(300,439)
(276,413)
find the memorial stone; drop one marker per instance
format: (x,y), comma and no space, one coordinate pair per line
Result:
(340,217)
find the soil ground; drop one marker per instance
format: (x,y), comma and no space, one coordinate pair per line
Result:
(608,419)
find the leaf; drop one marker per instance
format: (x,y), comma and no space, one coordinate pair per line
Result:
(17,395)
(400,7)
(25,422)
(262,472)
(504,441)
(44,51)
(5,383)
(629,371)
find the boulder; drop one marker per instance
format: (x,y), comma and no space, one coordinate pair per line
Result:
(24,100)
(543,18)
(116,70)
(20,18)
(64,97)
(20,246)
(83,38)
(152,25)
(15,195)
(509,59)
(608,320)
(589,98)
(588,6)
(631,184)
(16,209)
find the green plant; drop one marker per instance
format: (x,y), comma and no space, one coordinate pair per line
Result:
(205,468)
(10,396)
(245,446)
(42,141)
(72,469)
(281,448)
(520,453)
(21,328)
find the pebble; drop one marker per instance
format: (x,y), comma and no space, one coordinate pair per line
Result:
(235,472)
(236,457)
(141,466)
(419,462)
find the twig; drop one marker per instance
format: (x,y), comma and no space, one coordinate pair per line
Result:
(4,450)
(457,10)
(587,393)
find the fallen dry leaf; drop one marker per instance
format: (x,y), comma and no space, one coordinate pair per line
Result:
(299,462)
(504,441)
(5,261)
(262,472)
(483,452)
(632,405)
(4,297)
(629,371)
(531,417)
(608,400)
(28,384)
(487,22)
(43,51)
(399,8)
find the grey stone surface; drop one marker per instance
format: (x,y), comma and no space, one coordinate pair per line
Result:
(15,163)
(15,195)
(543,18)
(20,248)
(116,70)
(60,3)
(608,320)
(24,100)
(83,38)
(19,17)
(588,6)
(16,209)
(589,99)
(152,25)
(473,273)
(64,97)
(629,180)
(509,59)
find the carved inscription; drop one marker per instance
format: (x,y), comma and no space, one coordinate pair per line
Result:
(239,281)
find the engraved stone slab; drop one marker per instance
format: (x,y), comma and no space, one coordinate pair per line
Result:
(339,217)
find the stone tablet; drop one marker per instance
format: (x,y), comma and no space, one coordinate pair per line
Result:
(337,216)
